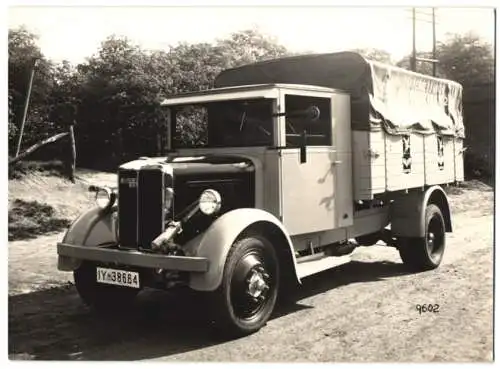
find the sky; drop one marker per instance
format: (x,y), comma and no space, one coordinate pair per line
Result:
(74,33)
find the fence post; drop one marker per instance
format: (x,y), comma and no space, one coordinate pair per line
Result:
(26,104)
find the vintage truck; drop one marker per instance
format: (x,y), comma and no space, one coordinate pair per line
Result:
(299,161)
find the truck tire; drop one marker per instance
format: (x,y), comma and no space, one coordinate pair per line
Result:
(247,295)
(427,252)
(101,297)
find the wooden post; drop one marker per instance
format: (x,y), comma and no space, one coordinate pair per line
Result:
(37,146)
(26,104)
(72,159)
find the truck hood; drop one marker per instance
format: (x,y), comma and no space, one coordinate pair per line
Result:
(192,165)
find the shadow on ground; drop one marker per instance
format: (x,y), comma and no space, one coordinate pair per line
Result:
(55,325)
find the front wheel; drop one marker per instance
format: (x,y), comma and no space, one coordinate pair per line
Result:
(247,295)
(427,252)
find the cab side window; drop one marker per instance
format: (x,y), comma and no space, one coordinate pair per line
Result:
(318,132)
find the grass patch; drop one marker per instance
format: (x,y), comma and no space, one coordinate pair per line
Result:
(470,185)
(23,168)
(30,219)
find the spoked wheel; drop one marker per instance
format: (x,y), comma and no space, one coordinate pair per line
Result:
(247,295)
(427,252)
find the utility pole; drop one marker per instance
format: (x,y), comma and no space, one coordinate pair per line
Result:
(434,64)
(414,58)
(26,104)
(413,62)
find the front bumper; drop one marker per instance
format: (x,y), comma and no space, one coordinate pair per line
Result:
(133,258)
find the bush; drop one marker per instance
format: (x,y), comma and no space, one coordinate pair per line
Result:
(477,167)
(21,168)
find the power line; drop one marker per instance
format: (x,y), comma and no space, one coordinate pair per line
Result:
(428,20)
(423,20)
(419,11)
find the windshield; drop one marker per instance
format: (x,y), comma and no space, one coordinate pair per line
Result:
(232,123)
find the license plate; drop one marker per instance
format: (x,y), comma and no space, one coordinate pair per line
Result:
(118,277)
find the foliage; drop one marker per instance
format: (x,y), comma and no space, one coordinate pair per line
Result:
(467,59)
(12,128)
(118,96)
(22,168)
(375,55)
(248,46)
(462,58)
(114,97)
(122,87)
(194,67)
(23,50)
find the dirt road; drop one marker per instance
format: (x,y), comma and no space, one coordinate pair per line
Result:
(362,311)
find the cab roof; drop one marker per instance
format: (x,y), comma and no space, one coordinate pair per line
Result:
(262,90)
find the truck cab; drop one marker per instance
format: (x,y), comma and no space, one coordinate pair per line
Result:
(296,138)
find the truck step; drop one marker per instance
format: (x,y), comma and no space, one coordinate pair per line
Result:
(306,268)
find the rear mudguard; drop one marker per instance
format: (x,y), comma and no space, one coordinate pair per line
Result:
(92,228)
(408,212)
(216,241)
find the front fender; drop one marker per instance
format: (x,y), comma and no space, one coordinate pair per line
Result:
(216,241)
(93,227)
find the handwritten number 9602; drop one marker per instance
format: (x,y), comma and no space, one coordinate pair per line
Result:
(427,308)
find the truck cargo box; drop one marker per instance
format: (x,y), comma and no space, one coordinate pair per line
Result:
(407,128)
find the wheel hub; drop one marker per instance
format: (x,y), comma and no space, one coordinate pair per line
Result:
(430,240)
(251,285)
(435,239)
(256,283)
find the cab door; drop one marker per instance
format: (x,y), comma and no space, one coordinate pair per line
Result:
(316,195)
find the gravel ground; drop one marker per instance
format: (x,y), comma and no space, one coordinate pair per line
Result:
(361,311)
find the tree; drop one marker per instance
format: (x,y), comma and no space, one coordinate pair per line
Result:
(22,50)
(375,55)
(12,128)
(195,66)
(467,59)
(249,46)
(115,95)
(462,58)
(119,95)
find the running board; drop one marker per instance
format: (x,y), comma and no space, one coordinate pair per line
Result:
(307,268)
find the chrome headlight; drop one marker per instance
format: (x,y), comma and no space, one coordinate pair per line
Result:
(104,197)
(210,202)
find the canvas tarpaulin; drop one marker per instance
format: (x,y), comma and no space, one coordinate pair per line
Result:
(382,96)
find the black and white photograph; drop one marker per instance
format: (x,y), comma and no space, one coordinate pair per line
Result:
(262,182)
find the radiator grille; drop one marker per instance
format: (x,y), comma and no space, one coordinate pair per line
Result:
(150,213)
(127,208)
(141,206)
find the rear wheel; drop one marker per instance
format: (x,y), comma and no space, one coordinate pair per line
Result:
(426,252)
(247,295)
(100,296)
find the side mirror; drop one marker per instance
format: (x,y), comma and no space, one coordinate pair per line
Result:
(312,113)
(303,147)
